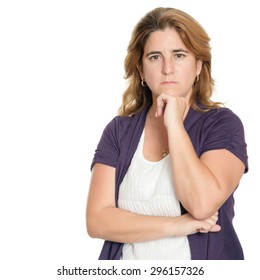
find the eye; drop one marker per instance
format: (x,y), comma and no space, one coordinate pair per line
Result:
(179,56)
(154,57)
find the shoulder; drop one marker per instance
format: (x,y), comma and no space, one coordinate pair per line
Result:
(221,112)
(223,118)
(120,122)
(218,117)
(118,125)
(213,115)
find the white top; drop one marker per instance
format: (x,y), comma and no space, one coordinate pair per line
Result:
(147,189)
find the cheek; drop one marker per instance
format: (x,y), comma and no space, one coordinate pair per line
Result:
(150,74)
(189,72)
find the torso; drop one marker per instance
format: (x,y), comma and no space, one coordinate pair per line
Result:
(148,189)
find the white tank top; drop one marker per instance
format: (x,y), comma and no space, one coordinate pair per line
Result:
(147,189)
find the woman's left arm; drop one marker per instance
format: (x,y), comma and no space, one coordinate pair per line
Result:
(202,184)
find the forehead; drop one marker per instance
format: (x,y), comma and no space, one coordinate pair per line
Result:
(167,37)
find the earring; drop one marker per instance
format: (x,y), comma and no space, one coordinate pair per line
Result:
(143,83)
(197,78)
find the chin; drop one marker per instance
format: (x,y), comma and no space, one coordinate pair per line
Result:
(170,90)
(172,93)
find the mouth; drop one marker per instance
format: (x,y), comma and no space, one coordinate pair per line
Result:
(169,83)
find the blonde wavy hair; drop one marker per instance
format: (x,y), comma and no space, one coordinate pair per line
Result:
(194,37)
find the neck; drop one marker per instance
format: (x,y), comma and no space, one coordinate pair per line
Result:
(157,121)
(157,132)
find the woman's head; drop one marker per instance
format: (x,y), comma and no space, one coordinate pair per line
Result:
(194,38)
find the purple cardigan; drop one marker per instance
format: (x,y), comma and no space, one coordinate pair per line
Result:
(215,129)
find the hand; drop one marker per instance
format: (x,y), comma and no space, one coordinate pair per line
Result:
(209,224)
(171,108)
(187,224)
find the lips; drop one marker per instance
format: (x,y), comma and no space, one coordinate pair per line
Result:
(169,83)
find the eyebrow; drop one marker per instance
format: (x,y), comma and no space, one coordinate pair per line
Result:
(180,50)
(174,51)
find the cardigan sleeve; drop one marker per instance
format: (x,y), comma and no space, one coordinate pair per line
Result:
(225,131)
(107,150)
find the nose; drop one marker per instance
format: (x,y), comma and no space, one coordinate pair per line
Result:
(168,66)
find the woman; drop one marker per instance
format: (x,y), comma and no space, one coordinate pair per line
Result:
(166,168)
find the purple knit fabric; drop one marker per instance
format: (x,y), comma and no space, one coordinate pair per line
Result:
(215,129)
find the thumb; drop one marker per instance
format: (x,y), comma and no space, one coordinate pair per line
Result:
(215,228)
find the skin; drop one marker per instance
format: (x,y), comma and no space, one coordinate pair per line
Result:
(202,184)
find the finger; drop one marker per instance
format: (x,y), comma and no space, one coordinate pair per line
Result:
(208,227)
(215,228)
(161,102)
(213,219)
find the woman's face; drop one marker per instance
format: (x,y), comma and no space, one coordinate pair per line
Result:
(168,66)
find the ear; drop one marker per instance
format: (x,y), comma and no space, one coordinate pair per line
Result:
(140,70)
(198,67)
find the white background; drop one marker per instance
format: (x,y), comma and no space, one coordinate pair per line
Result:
(61,80)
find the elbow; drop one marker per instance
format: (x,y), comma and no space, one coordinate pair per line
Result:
(202,212)
(202,208)
(93,230)
(98,225)
(200,215)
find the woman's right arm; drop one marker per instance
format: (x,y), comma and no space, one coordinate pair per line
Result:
(106,221)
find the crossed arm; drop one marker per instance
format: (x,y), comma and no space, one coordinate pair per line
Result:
(108,222)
